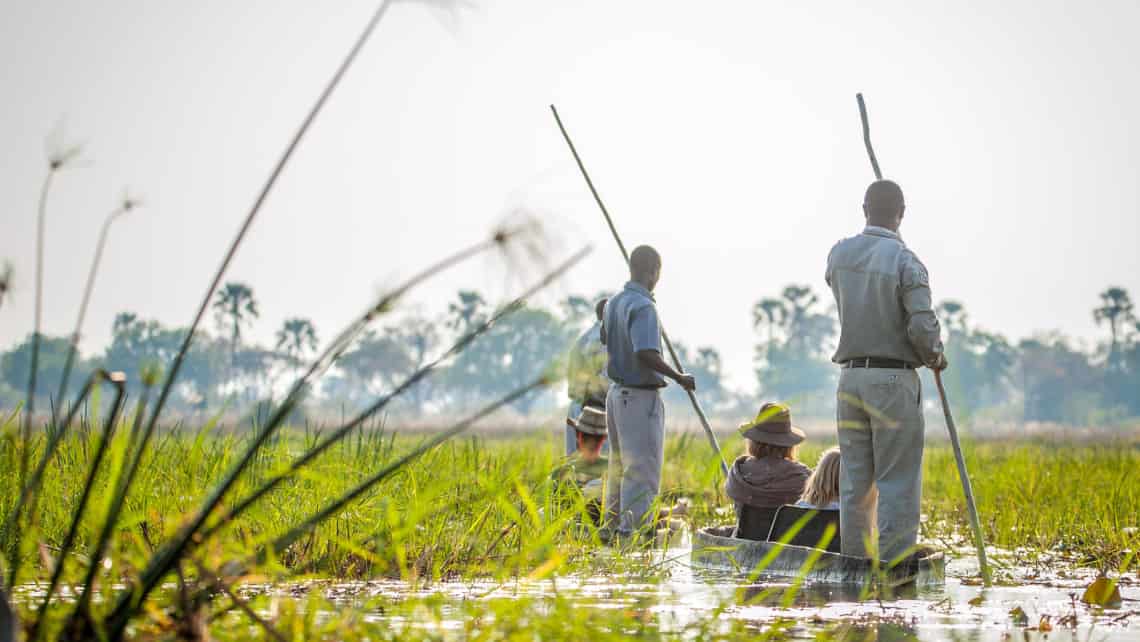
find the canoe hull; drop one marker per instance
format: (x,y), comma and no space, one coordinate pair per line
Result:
(714,548)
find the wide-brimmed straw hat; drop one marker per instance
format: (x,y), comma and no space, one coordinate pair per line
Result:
(773,425)
(591,421)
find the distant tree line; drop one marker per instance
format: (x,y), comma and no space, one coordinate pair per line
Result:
(226,368)
(1043,378)
(1046,377)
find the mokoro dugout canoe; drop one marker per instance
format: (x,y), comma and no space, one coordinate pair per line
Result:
(715,548)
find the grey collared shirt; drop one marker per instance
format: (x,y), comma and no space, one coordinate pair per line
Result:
(630,325)
(882,291)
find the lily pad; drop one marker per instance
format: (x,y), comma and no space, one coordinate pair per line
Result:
(1019,617)
(1102,592)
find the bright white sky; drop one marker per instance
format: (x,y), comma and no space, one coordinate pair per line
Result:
(726,134)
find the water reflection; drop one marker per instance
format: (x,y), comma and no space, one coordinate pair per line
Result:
(687,601)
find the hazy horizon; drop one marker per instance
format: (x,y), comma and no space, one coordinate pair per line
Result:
(728,138)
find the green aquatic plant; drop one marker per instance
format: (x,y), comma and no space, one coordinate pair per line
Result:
(27,491)
(118,380)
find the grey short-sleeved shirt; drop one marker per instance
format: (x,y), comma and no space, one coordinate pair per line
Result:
(630,325)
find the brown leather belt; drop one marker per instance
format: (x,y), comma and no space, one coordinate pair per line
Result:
(875,362)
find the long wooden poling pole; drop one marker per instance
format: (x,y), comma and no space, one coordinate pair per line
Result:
(665,337)
(963,474)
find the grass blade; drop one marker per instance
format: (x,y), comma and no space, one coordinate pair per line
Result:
(118,381)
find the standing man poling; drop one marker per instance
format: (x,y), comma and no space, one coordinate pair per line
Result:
(887,330)
(587,384)
(634,412)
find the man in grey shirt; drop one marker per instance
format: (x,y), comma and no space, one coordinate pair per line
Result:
(887,330)
(634,413)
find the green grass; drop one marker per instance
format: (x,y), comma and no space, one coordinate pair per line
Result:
(1059,498)
(480,507)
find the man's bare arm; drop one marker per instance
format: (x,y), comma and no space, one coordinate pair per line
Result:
(652,359)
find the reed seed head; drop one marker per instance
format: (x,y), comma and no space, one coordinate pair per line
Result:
(524,241)
(5,277)
(150,373)
(60,153)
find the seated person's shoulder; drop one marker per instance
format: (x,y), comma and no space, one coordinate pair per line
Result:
(578,471)
(562,472)
(595,469)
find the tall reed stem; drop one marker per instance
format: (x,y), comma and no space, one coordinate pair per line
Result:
(73,349)
(164,559)
(700,412)
(176,366)
(30,402)
(341,432)
(959,459)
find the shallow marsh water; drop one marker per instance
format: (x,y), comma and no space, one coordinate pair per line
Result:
(687,602)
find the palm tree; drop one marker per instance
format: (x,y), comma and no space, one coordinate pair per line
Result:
(954,314)
(235,307)
(1116,309)
(297,337)
(801,300)
(770,311)
(467,312)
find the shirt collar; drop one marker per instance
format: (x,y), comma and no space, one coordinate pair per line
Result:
(634,286)
(875,230)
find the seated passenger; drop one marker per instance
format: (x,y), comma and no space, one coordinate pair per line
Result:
(769,475)
(586,467)
(822,489)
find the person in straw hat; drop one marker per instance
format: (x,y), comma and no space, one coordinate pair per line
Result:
(587,464)
(769,476)
(586,467)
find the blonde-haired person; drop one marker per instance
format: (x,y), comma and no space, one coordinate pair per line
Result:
(822,488)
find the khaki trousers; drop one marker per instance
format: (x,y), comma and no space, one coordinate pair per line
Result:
(635,419)
(881,431)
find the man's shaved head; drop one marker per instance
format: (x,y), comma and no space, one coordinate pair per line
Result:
(645,266)
(883,204)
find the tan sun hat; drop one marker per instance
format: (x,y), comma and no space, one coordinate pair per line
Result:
(591,421)
(773,425)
